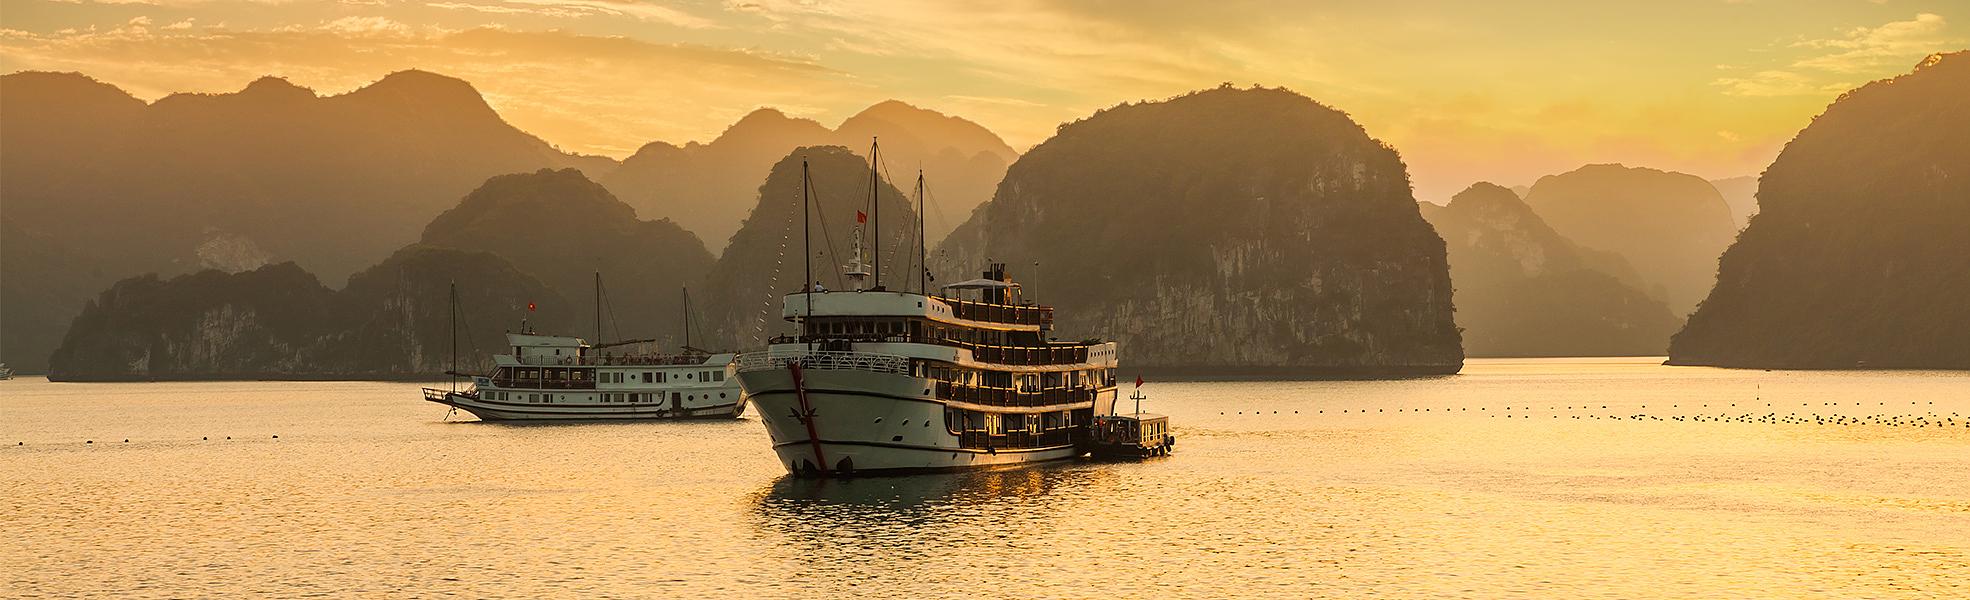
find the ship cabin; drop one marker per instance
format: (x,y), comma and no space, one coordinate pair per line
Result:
(987,351)
(1139,435)
(549,369)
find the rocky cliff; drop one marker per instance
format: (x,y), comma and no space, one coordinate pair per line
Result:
(1670,226)
(764,262)
(561,228)
(279,322)
(1858,255)
(1224,231)
(1524,290)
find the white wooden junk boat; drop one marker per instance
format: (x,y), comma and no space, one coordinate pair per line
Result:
(556,377)
(883,381)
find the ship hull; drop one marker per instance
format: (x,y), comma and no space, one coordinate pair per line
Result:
(487,410)
(869,423)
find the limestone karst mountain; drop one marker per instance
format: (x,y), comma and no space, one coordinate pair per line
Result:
(273,172)
(1524,290)
(710,188)
(1858,256)
(1670,226)
(279,322)
(1741,193)
(1224,231)
(764,262)
(561,229)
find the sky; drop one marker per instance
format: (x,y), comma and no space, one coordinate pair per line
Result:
(1503,91)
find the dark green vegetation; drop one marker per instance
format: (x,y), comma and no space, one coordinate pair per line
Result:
(1858,255)
(100,186)
(764,261)
(1224,231)
(279,322)
(1524,290)
(710,188)
(1670,226)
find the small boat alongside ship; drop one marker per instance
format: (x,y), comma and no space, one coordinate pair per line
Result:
(1135,435)
(562,378)
(879,381)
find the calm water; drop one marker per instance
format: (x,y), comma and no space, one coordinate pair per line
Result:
(1508,480)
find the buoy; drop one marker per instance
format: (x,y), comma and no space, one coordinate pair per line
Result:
(90,442)
(204,438)
(277,437)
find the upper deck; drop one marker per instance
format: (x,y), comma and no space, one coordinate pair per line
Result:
(871,303)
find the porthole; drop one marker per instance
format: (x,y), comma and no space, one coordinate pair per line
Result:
(721,394)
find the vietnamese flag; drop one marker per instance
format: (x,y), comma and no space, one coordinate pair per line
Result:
(530,307)
(1138,381)
(861,217)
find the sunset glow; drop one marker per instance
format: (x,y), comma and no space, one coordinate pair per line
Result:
(1503,91)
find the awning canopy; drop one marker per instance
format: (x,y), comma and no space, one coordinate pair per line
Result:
(979,284)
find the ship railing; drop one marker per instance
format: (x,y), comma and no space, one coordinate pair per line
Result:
(627,360)
(824,360)
(990,396)
(1051,354)
(999,313)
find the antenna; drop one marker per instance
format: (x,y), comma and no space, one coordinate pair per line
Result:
(875,207)
(807,248)
(454,337)
(923,260)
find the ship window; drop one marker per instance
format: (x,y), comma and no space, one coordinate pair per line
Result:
(718,376)
(533,397)
(647,378)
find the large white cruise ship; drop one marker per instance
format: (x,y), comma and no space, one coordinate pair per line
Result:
(879,381)
(885,381)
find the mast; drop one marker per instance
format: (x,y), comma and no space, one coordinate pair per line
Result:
(598,307)
(923,261)
(454,337)
(875,207)
(806,247)
(687,318)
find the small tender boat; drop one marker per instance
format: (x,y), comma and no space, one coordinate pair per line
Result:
(1139,435)
(5,373)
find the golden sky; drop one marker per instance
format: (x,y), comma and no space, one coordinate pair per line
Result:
(1503,90)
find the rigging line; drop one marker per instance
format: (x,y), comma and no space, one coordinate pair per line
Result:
(465,327)
(826,238)
(883,164)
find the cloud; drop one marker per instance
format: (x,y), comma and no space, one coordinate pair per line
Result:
(366,26)
(1831,64)
(631,8)
(1869,48)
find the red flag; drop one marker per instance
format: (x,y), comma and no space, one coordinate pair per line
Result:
(530,308)
(861,217)
(1138,381)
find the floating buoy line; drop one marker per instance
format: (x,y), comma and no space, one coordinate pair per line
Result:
(1574,412)
(91,442)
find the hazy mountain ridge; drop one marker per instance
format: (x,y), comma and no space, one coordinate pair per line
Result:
(1227,230)
(1670,226)
(1858,255)
(1524,290)
(272,172)
(710,188)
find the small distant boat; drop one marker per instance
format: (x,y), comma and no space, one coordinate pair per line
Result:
(1139,435)
(556,377)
